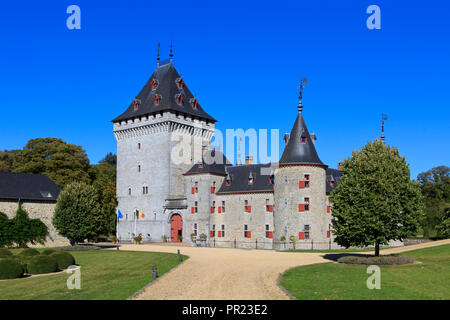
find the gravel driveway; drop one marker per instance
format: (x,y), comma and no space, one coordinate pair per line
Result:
(228,274)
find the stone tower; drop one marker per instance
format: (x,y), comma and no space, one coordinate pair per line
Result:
(300,190)
(159,137)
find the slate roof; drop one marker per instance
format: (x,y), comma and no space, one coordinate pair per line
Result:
(213,161)
(297,152)
(239,179)
(332,175)
(167,77)
(24,186)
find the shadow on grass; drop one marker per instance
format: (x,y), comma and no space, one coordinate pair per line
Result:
(335,256)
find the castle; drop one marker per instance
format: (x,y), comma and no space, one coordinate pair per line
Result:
(206,196)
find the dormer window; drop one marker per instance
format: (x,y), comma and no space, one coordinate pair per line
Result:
(303,140)
(332,183)
(200,165)
(180,83)
(156,99)
(155,84)
(179,98)
(271,179)
(250,178)
(136,103)
(194,103)
(228,181)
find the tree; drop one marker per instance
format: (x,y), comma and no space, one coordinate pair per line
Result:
(435,187)
(444,226)
(6,236)
(24,230)
(110,158)
(375,200)
(78,215)
(63,163)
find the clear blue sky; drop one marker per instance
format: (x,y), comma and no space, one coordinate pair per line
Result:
(243,60)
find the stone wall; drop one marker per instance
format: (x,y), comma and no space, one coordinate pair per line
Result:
(37,210)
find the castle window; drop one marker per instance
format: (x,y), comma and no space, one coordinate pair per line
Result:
(223,206)
(195,206)
(129,191)
(247,234)
(179,98)
(154,84)
(180,83)
(271,179)
(144,190)
(139,146)
(307,176)
(306,230)
(306,200)
(223,230)
(269,234)
(303,139)
(213,231)
(332,184)
(213,207)
(195,229)
(156,100)
(200,165)
(213,187)
(136,103)
(247,208)
(139,168)
(250,178)
(194,103)
(196,186)
(269,207)
(228,181)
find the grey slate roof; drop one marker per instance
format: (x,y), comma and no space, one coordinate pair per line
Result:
(332,175)
(239,179)
(213,161)
(167,89)
(24,186)
(297,152)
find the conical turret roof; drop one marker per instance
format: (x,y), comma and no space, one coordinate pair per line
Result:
(164,85)
(300,147)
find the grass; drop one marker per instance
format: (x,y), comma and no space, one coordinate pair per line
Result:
(105,275)
(429,280)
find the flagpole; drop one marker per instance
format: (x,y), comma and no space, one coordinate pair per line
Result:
(117,225)
(135,218)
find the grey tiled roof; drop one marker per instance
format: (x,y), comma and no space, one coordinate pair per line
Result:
(213,161)
(239,176)
(15,186)
(332,175)
(297,152)
(167,89)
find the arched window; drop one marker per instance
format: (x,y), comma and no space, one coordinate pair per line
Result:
(156,99)
(154,84)
(179,98)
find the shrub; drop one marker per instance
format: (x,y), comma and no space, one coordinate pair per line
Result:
(78,248)
(6,234)
(47,251)
(5,253)
(378,260)
(42,264)
(10,269)
(23,260)
(26,230)
(29,252)
(63,259)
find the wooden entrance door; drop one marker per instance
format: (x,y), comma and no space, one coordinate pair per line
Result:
(176,227)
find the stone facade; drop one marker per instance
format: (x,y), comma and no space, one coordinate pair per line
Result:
(37,210)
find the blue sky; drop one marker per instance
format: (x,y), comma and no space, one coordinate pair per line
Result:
(243,60)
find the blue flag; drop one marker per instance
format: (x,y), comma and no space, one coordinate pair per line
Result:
(119,214)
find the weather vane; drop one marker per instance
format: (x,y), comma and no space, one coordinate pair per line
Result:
(300,89)
(157,55)
(383,118)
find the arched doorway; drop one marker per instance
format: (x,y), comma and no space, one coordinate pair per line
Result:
(176,228)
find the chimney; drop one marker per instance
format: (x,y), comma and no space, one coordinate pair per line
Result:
(340,166)
(313,138)
(248,159)
(286,138)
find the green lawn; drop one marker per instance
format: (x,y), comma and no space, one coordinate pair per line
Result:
(105,274)
(331,281)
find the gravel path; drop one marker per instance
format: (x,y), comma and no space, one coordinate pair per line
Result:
(228,274)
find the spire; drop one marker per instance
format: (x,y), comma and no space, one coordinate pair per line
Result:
(300,146)
(300,89)
(157,55)
(171,51)
(383,118)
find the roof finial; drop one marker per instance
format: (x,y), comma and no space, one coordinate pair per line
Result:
(383,118)
(171,51)
(157,55)
(300,88)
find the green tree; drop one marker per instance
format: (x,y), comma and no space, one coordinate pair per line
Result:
(63,163)
(25,230)
(8,159)
(78,215)
(6,236)
(375,200)
(435,187)
(444,226)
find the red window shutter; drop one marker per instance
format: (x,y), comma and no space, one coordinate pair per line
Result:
(249,234)
(220,209)
(301,235)
(219,234)
(192,210)
(270,208)
(249,209)
(301,207)
(301,184)
(212,209)
(328,233)
(212,190)
(211,234)
(270,234)
(193,190)
(328,209)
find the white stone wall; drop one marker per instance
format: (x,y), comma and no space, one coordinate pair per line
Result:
(37,210)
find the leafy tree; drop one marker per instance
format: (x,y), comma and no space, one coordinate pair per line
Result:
(435,187)
(105,186)
(63,163)
(110,158)
(8,159)
(78,214)
(6,236)
(25,230)
(375,200)
(444,226)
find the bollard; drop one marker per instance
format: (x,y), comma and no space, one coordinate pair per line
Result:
(329,244)
(256,244)
(180,257)
(214,242)
(235,243)
(312,244)
(154,272)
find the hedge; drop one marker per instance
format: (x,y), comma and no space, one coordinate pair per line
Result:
(63,259)
(5,253)
(48,251)
(10,269)
(380,260)
(42,264)
(29,252)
